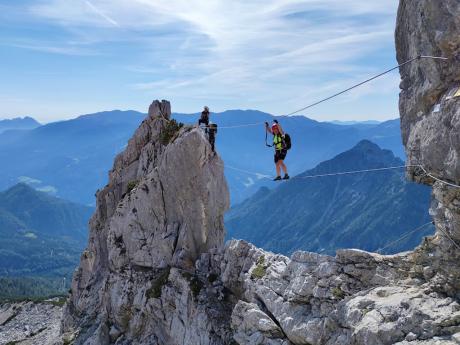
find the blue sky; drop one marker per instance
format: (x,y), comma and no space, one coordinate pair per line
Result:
(62,58)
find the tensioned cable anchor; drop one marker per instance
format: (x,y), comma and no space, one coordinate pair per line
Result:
(368,80)
(448,236)
(438,179)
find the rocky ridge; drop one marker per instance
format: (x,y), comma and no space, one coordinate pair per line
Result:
(156,271)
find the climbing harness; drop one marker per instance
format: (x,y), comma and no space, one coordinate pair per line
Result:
(277,141)
(285,140)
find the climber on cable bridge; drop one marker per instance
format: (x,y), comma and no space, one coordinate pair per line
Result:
(281,148)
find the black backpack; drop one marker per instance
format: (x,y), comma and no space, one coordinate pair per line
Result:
(287,141)
(213,128)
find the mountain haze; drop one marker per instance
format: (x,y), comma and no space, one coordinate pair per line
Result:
(71,158)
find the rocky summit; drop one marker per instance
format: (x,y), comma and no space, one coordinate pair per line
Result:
(162,209)
(156,270)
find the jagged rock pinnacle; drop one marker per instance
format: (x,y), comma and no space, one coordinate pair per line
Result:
(160,109)
(162,208)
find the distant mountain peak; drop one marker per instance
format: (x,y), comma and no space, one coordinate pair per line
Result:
(366,144)
(31,206)
(21,186)
(19,119)
(364,155)
(26,122)
(372,150)
(31,120)
(350,123)
(22,192)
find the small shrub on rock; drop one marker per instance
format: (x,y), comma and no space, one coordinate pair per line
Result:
(338,293)
(158,283)
(170,131)
(131,186)
(260,270)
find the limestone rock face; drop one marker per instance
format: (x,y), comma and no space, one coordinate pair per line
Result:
(162,208)
(430,121)
(429,113)
(354,298)
(156,270)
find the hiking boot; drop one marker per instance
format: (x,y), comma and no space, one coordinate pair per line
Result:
(278,178)
(286,177)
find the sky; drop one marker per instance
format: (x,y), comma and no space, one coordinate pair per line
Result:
(63,58)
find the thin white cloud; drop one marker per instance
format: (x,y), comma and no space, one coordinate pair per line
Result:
(93,14)
(48,189)
(102,14)
(248,51)
(62,50)
(28,180)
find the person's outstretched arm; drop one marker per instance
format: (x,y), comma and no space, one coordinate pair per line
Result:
(267,128)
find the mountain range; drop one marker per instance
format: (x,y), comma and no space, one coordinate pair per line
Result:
(18,123)
(71,158)
(366,210)
(347,123)
(41,235)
